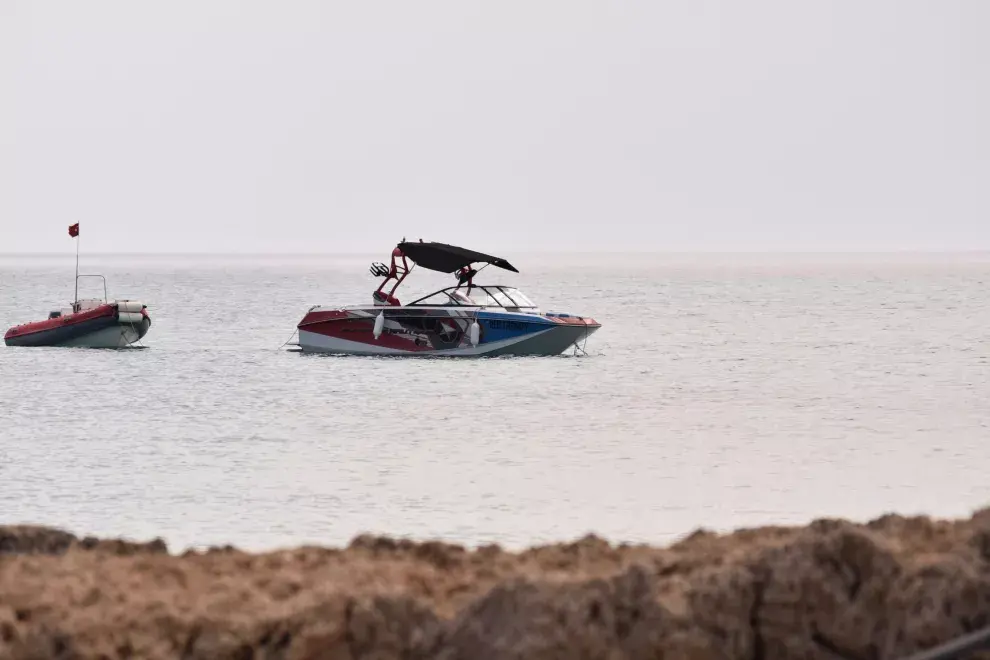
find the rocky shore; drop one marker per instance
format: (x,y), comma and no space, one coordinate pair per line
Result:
(832,589)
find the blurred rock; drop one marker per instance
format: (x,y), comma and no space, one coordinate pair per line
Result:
(833,589)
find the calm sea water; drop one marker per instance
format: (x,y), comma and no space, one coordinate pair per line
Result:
(722,391)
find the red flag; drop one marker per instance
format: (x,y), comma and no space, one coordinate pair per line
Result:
(74,229)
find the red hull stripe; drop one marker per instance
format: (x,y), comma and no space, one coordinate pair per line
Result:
(61,322)
(362,330)
(318,317)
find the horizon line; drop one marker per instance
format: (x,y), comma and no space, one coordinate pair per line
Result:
(906,251)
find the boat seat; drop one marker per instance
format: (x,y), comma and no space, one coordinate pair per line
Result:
(458,296)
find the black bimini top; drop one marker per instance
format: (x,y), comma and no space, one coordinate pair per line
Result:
(448,258)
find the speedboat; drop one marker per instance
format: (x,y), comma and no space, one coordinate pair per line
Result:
(91,323)
(466,320)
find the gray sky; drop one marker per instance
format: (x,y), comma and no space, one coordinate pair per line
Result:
(513,125)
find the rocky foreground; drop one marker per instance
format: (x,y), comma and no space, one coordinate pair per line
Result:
(829,590)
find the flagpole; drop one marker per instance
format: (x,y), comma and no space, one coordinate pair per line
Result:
(76,299)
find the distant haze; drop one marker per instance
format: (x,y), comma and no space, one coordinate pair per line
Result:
(319,126)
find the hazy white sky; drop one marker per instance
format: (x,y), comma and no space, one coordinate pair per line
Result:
(324,126)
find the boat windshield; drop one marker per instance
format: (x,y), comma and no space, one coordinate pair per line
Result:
(478,296)
(481,297)
(501,298)
(518,298)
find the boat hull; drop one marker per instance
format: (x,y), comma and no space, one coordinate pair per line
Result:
(440,332)
(102,327)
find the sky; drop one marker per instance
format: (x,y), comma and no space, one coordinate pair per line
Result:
(517,125)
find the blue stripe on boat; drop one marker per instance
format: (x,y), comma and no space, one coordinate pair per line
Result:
(497,326)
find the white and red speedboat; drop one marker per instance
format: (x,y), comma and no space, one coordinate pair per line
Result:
(86,323)
(466,320)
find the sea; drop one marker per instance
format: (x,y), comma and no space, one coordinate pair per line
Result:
(723,391)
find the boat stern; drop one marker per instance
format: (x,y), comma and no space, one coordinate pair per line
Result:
(134,319)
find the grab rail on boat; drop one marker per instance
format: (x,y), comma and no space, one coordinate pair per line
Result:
(75,303)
